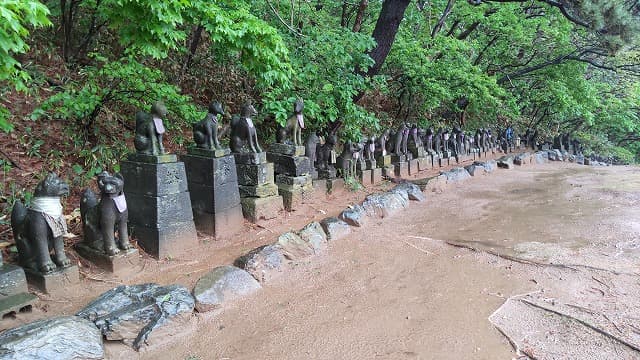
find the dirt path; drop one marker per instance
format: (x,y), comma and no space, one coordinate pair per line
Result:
(396,290)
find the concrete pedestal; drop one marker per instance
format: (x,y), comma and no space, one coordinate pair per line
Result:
(258,191)
(14,294)
(214,191)
(293,174)
(56,282)
(160,214)
(125,262)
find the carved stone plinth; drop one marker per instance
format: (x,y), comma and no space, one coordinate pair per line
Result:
(364,176)
(122,263)
(320,186)
(56,282)
(335,184)
(444,161)
(371,164)
(257,188)
(398,158)
(289,164)
(328,173)
(255,209)
(208,153)
(424,163)
(295,190)
(389,171)
(416,151)
(286,149)
(413,166)
(401,169)
(376,176)
(160,213)
(383,161)
(14,294)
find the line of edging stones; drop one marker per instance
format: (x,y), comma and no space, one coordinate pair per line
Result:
(131,313)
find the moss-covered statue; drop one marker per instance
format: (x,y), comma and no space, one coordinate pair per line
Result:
(39,229)
(101,219)
(150,129)
(243,132)
(205,132)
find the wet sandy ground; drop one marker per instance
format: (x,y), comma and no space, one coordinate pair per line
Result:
(397,289)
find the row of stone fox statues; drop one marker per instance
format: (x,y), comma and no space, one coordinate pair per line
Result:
(39,229)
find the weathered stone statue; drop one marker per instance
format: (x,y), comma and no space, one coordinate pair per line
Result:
(101,219)
(400,140)
(414,135)
(370,149)
(41,227)
(293,129)
(325,153)
(310,148)
(381,146)
(429,142)
(445,140)
(437,141)
(243,132)
(478,139)
(149,130)
(405,139)
(347,160)
(205,132)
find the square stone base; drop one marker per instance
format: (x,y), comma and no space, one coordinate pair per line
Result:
(398,158)
(213,153)
(255,209)
(364,176)
(320,186)
(376,176)
(335,185)
(153,159)
(250,158)
(17,303)
(389,171)
(287,149)
(444,162)
(293,196)
(55,283)
(383,161)
(166,241)
(402,169)
(264,190)
(424,163)
(221,225)
(12,280)
(413,167)
(120,264)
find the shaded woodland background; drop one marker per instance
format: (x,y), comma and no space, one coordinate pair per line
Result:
(74,72)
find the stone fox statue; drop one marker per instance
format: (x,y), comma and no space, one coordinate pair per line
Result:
(294,126)
(39,229)
(243,132)
(150,129)
(101,219)
(205,132)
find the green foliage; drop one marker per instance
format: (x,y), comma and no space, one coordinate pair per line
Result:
(17,17)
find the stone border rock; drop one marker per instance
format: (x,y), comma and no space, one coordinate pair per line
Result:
(225,284)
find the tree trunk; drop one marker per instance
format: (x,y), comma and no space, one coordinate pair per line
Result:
(360,16)
(385,31)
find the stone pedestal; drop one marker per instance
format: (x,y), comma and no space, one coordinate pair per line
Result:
(336,184)
(398,158)
(443,161)
(389,171)
(365,178)
(293,169)
(160,214)
(258,191)
(376,176)
(413,167)
(14,294)
(424,163)
(214,191)
(383,161)
(416,151)
(56,282)
(401,169)
(125,262)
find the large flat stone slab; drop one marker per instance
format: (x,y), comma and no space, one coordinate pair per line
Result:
(221,285)
(137,314)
